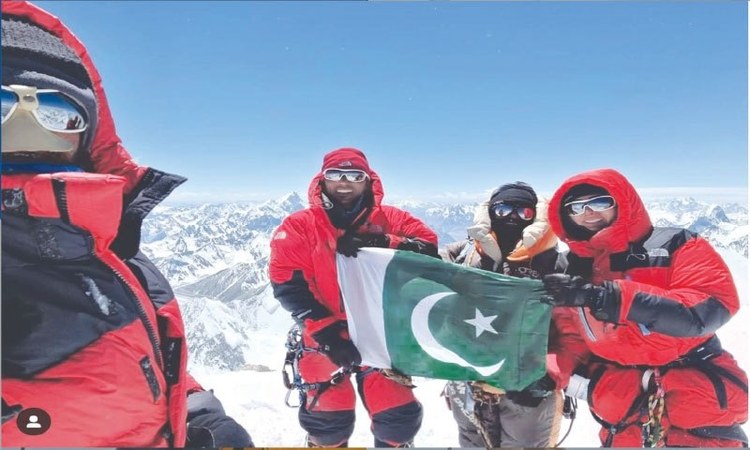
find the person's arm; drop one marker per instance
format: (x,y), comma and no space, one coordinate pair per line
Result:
(700,298)
(567,348)
(290,262)
(450,252)
(409,233)
(208,426)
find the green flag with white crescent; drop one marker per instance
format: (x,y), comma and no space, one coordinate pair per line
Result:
(430,318)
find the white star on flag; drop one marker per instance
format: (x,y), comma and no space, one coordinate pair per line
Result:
(481,323)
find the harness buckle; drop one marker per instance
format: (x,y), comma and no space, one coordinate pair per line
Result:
(338,375)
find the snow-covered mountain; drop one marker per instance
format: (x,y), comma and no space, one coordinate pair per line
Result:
(725,226)
(216,257)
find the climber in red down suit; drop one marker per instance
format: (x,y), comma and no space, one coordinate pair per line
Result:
(91,331)
(345,214)
(649,300)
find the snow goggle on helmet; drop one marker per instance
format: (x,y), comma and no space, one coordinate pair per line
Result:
(351,175)
(53,110)
(501,210)
(596,204)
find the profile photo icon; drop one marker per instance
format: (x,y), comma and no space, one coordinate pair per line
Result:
(33,421)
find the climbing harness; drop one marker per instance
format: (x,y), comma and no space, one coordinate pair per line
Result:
(290,371)
(649,408)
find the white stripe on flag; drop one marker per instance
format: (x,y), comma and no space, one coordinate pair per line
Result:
(361,281)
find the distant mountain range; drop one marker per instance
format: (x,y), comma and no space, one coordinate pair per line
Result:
(216,257)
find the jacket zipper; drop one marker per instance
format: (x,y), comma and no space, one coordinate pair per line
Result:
(61,198)
(150,330)
(586,324)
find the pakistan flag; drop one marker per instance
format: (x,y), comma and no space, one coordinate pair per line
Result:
(429,318)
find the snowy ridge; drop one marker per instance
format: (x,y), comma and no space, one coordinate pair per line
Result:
(724,226)
(216,257)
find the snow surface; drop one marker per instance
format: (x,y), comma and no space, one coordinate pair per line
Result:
(256,399)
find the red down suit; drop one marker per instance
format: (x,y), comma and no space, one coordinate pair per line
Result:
(303,273)
(91,331)
(674,292)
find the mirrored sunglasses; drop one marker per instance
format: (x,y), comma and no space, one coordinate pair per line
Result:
(354,176)
(501,210)
(53,110)
(596,204)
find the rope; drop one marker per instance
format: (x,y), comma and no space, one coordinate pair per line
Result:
(653,430)
(569,411)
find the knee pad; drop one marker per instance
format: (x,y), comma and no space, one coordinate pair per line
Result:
(327,428)
(397,426)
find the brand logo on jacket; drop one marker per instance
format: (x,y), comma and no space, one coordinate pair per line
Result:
(658,252)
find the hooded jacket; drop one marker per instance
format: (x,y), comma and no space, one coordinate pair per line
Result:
(672,290)
(92,333)
(302,268)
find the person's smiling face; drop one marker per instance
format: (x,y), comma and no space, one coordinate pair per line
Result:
(344,192)
(597,212)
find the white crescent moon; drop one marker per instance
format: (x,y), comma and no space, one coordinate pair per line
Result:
(425,339)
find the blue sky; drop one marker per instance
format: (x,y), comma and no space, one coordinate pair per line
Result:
(447,99)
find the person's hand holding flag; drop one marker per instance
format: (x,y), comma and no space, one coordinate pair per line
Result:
(339,349)
(349,244)
(566,290)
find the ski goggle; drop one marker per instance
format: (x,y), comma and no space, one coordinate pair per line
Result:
(596,204)
(354,176)
(52,109)
(501,210)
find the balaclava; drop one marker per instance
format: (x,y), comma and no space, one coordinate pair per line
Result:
(32,56)
(510,229)
(578,232)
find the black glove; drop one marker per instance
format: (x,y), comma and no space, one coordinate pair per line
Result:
(419,246)
(533,394)
(208,426)
(349,244)
(339,350)
(564,290)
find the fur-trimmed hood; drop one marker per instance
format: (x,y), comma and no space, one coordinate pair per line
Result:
(536,238)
